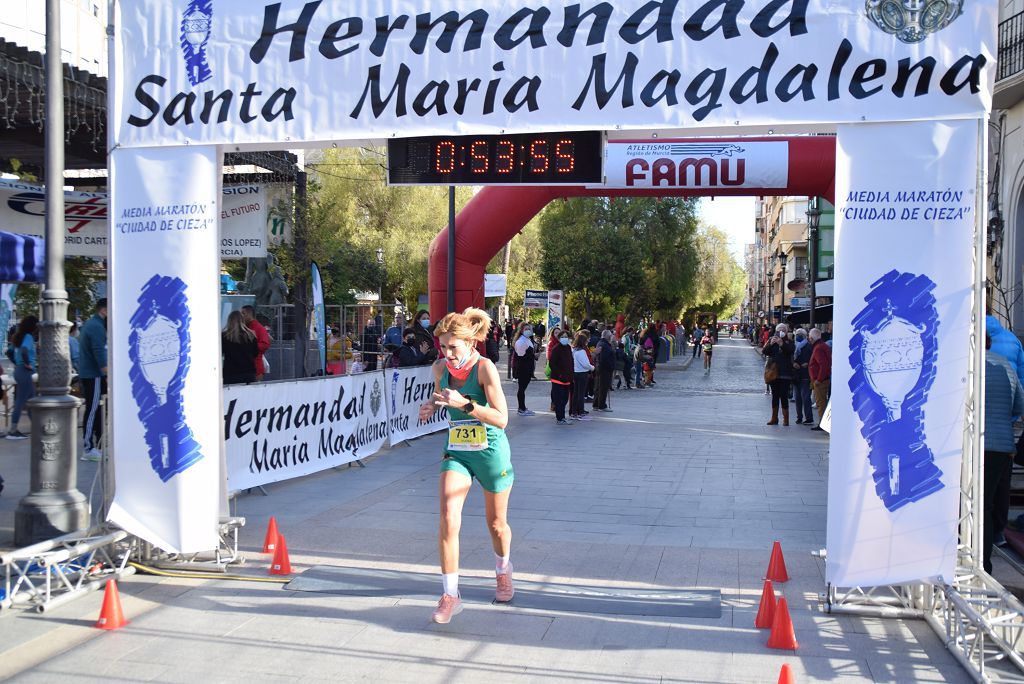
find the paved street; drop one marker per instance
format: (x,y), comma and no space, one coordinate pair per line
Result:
(683,486)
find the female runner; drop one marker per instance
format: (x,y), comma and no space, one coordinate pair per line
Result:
(468,385)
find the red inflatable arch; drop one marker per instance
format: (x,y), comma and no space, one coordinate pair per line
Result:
(497,213)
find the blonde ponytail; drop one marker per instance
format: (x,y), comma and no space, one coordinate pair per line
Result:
(471,325)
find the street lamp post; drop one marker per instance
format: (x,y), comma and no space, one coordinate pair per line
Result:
(782,285)
(380,301)
(771,289)
(813,219)
(53,506)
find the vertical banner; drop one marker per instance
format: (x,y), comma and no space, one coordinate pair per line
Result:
(905,218)
(555,301)
(164,351)
(7,294)
(319,318)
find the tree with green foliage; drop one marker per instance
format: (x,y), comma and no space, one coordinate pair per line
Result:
(589,251)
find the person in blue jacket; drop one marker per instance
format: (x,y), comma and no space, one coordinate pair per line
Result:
(1006,344)
(1004,403)
(23,354)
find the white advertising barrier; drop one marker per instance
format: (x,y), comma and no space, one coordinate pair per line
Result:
(289,429)
(406,390)
(164,349)
(692,164)
(244,215)
(900,352)
(238,71)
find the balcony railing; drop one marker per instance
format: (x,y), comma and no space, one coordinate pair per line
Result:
(1011,47)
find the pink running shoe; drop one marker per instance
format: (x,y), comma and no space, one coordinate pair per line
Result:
(448,607)
(505,590)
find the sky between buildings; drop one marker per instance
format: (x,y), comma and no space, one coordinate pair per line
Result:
(735,216)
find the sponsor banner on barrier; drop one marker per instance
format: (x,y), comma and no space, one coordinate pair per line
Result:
(692,164)
(164,349)
(900,357)
(406,390)
(238,71)
(289,429)
(22,205)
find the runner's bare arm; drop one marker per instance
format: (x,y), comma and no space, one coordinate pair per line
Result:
(496,412)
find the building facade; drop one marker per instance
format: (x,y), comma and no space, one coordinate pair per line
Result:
(83,30)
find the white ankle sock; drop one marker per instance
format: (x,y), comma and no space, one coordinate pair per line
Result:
(450,583)
(501,564)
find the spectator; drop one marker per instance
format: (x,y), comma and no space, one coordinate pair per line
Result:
(23,347)
(605,363)
(525,361)
(92,380)
(802,378)
(779,351)
(335,352)
(263,341)
(1006,344)
(394,336)
(409,353)
(492,345)
(239,349)
(560,358)
(820,371)
(425,337)
(1004,403)
(371,345)
(581,372)
(74,348)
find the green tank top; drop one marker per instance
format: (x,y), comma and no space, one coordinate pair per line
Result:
(473,390)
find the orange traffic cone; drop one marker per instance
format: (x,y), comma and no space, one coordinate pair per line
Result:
(111,616)
(281,565)
(766,611)
(786,675)
(782,635)
(270,541)
(777,565)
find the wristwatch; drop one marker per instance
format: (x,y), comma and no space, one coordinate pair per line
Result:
(468,406)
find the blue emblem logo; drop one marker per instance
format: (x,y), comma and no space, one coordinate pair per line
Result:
(196,21)
(892,353)
(158,347)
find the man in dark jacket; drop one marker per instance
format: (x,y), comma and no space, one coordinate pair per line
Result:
(802,378)
(820,370)
(92,378)
(408,353)
(604,363)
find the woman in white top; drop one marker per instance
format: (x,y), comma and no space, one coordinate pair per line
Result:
(581,366)
(524,359)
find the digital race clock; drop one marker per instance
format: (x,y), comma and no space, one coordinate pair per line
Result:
(531,159)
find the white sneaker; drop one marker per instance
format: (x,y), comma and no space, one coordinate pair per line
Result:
(14,434)
(527,413)
(92,455)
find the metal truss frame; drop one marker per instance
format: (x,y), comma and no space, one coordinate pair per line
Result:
(51,573)
(980,622)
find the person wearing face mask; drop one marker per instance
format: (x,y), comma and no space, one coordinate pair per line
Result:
(411,351)
(561,362)
(469,386)
(424,333)
(524,364)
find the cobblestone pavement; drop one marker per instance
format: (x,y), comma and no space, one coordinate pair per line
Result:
(682,486)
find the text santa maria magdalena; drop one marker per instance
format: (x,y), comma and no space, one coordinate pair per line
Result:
(289,435)
(606,42)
